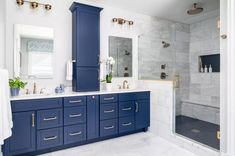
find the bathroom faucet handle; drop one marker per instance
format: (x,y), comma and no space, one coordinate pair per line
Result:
(119,86)
(27,92)
(42,90)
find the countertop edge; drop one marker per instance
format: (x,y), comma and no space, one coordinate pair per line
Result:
(73,94)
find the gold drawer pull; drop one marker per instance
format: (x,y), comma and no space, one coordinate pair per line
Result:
(50,119)
(75,115)
(107,128)
(74,134)
(50,138)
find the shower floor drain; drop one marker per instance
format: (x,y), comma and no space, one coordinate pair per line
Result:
(195,130)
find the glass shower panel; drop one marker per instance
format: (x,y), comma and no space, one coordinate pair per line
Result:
(173,49)
(156,52)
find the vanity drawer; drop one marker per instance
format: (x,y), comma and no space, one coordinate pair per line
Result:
(134,96)
(38,104)
(74,101)
(75,133)
(108,127)
(74,115)
(49,138)
(126,108)
(108,111)
(49,118)
(126,124)
(108,98)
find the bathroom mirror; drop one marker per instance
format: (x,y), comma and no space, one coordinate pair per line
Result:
(33,52)
(121,50)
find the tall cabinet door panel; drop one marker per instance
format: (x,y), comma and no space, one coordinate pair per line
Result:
(23,133)
(92,117)
(86,79)
(88,44)
(142,116)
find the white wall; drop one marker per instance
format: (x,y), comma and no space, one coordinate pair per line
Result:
(2,21)
(59,18)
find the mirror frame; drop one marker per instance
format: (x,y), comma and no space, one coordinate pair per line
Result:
(16,63)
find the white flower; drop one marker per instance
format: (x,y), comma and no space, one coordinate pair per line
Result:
(112,62)
(110,59)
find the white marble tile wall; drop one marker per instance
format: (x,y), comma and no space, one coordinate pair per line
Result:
(152,54)
(162,116)
(201,112)
(204,40)
(204,88)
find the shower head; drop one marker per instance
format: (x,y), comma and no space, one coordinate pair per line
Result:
(195,10)
(165,45)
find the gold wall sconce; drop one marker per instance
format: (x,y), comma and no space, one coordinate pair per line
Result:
(122,21)
(34,4)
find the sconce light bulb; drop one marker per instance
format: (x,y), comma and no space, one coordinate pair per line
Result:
(131,23)
(115,20)
(48,6)
(34,5)
(20,2)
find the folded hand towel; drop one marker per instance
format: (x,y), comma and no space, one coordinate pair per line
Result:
(69,75)
(5,107)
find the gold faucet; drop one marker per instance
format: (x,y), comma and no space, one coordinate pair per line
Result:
(125,82)
(34,88)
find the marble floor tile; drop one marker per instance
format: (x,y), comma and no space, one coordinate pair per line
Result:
(141,144)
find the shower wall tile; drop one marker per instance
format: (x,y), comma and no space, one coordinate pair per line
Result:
(200,112)
(204,87)
(182,36)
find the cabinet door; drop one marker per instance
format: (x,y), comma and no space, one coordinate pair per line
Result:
(23,133)
(86,79)
(142,114)
(92,117)
(88,37)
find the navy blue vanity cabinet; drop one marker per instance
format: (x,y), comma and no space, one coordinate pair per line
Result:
(134,109)
(75,119)
(23,138)
(46,125)
(108,115)
(29,118)
(92,117)
(142,114)
(85,46)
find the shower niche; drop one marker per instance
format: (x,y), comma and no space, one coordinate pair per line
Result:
(209,61)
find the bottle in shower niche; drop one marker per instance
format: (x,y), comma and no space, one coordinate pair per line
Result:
(201,69)
(210,69)
(205,69)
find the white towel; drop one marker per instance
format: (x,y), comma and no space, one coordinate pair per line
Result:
(5,107)
(69,75)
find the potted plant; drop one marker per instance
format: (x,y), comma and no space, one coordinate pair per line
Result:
(15,85)
(109,76)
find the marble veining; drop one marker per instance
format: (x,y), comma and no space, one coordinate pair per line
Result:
(141,144)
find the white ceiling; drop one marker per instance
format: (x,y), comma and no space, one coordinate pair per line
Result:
(169,9)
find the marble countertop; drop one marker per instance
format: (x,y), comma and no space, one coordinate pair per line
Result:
(71,94)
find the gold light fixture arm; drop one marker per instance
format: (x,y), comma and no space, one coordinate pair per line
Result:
(122,21)
(34,4)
